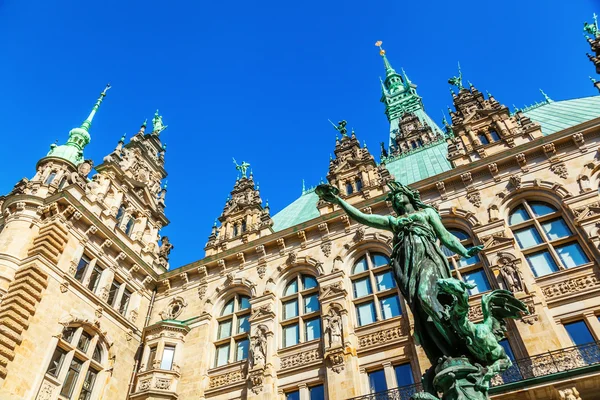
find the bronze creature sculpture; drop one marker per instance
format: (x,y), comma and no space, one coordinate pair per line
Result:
(456,348)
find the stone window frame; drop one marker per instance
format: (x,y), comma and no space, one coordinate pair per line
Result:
(70,345)
(546,244)
(375,296)
(301,318)
(454,260)
(234,337)
(86,277)
(158,336)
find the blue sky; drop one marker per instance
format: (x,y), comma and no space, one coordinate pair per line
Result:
(258,80)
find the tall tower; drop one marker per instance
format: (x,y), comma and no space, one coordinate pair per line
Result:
(405,112)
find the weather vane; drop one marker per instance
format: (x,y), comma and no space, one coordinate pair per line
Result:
(381,50)
(243,167)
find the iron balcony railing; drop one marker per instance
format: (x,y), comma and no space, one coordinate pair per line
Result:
(544,364)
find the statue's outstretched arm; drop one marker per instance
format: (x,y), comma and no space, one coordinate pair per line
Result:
(372,220)
(448,239)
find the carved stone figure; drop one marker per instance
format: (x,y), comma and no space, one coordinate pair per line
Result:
(258,348)
(165,248)
(85,168)
(333,326)
(463,356)
(512,277)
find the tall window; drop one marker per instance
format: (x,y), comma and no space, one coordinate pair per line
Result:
(545,238)
(129,226)
(483,139)
(404,375)
(374,289)
(166,361)
(316,392)
(469,269)
(232,333)
(50,178)
(86,269)
(120,214)
(235,230)
(76,362)
(494,135)
(377,381)
(349,188)
(359,184)
(579,332)
(124,302)
(301,320)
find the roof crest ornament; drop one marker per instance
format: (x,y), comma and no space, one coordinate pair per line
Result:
(457,80)
(341,127)
(546,97)
(592,29)
(243,167)
(157,124)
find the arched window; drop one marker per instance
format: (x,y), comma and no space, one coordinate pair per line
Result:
(301,319)
(129,226)
(545,238)
(233,330)
(494,135)
(50,178)
(483,139)
(76,362)
(469,269)
(349,188)
(359,184)
(374,287)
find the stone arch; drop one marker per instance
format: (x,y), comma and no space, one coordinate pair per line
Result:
(91,325)
(284,276)
(463,218)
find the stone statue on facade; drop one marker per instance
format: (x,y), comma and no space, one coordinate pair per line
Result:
(258,348)
(466,356)
(243,167)
(512,277)
(333,327)
(165,248)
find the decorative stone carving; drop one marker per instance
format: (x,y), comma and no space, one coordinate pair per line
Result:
(336,288)
(258,346)
(570,286)
(474,198)
(262,270)
(560,170)
(261,311)
(64,286)
(584,183)
(162,383)
(292,258)
(202,290)
(165,248)
(570,393)
(475,313)
(46,391)
(226,379)
(380,337)
(256,379)
(511,274)
(359,236)
(300,359)
(336,360)
(515,180)
(173,309)
(333,327)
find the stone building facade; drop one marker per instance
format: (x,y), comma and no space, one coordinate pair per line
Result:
(302,304)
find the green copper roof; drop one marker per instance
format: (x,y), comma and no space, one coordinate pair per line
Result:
(423,163)
(302,209)
(558,115)
(78,137)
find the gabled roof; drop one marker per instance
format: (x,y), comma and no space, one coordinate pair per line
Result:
(553,116)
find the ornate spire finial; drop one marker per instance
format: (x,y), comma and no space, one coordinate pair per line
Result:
(303,186)
(88,122)
(242,168)
(546,97)
(592,29)
(457,80)
(406,80)
(388,67)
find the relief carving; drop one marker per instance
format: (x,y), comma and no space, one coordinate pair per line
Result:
(383,336)
(226,379)
(570,286)
(300,359)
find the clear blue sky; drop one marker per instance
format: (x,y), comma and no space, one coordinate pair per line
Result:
(258,81)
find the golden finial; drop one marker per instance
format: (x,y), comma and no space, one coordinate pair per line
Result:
(381,50)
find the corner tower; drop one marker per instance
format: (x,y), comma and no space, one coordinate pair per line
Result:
(403,108)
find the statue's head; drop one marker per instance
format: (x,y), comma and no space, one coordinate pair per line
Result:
(454,286)
(401,195)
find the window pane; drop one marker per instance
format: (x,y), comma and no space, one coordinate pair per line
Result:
(527,237)
(479,279)
(463,262)
(97,354)
(71,378)
(494,135)
(309,282)
(222,355)
(94,278)
(56,362)
(365,313)
(167,359)
(377,381)
(311,303)
(112,293)
(124,301)
(242,350)
(360,266)
(540,209)
(556,229)
(362,287)
(228,309)
(88,385)
(293,395)
(390,307)
(244,302)
(385,281)
(404,376)
(224,329)
(579,333)
(483,139)
(291,288)
(243,324)
(507,349)
(151,358)
(291,335)
(84,341)
(316,393)
(290,309)
(462,235)
(50,178)
(571,255)
(518,215)
(447,252)
(541,263)
(379,260)
(67,334)
(312,329)
(83,263)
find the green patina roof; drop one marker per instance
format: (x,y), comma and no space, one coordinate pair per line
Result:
(553,116)
(558,115)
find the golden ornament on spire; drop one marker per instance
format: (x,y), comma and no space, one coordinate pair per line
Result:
(378,44)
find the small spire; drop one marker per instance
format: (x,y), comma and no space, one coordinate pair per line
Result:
(592,79)
(452,92)
(330,157)
(122,140)
(145,124)
(383,89)
(303,186)
(489,95)
(406,80)
(364,142)
(546,97)
(388,67)
(88,122)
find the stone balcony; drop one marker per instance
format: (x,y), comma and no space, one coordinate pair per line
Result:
(156,384)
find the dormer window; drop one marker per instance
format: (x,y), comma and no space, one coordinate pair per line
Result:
(349,188)
(50,178)
(483,139)
(494,135)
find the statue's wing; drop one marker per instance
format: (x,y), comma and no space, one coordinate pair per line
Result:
(501,304)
